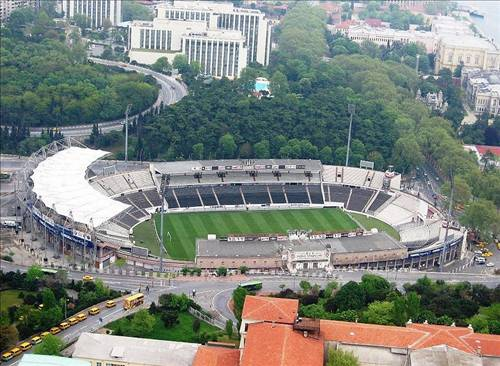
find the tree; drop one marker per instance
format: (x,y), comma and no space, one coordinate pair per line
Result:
(279,84)
(375,287)
(227,146)
(262,150)
(243,269)
(461,191)
(162,65)
(338,357)
(480,216)
(379,312)
(239,295)
(326,155)
(34,274)
(169,317)
(221,271)
(198,150)
(133,10)
(51,345)
(406,154)
(229,328)
(181,63)
(9,335)
(141,324)
(82,22)
(305,286)
(351,296)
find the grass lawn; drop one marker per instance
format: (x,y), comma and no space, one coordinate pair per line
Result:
(185,228)
(370,223)
(181,332)
(9,298)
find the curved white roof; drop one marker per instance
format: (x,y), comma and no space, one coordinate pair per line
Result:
(59,182)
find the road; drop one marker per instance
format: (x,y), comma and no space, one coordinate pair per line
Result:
(214,293)
(171,92)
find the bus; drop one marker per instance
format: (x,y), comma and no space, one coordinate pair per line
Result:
(133,301)
(251,285)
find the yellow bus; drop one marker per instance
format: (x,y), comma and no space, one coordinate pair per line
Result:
(133,301)
(25,346)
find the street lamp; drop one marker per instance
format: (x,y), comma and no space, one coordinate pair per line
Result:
(127,111)
(450,208)
(351,108)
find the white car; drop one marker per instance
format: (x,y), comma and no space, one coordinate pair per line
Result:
(490,264)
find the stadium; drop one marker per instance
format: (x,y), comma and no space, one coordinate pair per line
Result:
(264,214)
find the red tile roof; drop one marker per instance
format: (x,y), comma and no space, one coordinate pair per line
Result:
(414,336)
(216,356)
(483,148)
(279,345)
(370,334)
(346,24)
(270,309)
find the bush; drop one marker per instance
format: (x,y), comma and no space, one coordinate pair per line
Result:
(341,358)
(7,258)
(184,271)
(229,328)
(243,269)
(196,325)
(222,271)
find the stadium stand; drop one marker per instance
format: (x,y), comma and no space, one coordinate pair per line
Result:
(315,193)
(153,197)
(228,195)
(170,198)
(425,233)
(359,199)
(296,193)
(395,215)
(339,193)
(379,200)
(207,196)
(188,197)
(113,185)
(256,194)
(354,176)
(276,193)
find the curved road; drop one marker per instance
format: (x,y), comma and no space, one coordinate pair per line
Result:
(214,293)
(171,92)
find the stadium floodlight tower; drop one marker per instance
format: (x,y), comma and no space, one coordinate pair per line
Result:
(351,108)
(442,257)
(163,186)
(127,111)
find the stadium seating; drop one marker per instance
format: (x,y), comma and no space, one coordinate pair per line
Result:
(188,197)
(379,201)
(153,197)
(276,192)
(395,215)
(256,194)
(359,199)
(423,234)
(296,193)
(170,198)
(139,200)
(119,183)
(207,196)
(315,193)
(229,195)
(339,193)
(355,176)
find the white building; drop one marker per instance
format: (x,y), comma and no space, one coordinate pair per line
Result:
(384,36)
(466,50)
(8,6)
(219,52)
(95,10)
(482,90)
(251,23)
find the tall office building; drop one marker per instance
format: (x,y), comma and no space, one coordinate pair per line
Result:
(219,52)
(251,23)
(8,6)
(95,10)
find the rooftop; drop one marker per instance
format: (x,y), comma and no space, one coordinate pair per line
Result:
(42,360)
(279,345)
(142,351)
(217,356)
(467,41)
(271,309)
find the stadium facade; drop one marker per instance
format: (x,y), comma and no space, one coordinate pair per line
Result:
(87,208)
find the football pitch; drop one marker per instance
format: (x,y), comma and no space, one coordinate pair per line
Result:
(185,228)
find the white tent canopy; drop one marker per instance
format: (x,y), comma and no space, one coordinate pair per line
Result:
(59,182)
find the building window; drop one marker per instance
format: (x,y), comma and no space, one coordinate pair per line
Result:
(158,34)
(450,57)
(142,39)
(163,39)
(476,60)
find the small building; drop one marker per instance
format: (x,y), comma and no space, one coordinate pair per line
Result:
(434,101)
(482,90)
(261,88)
(103,349)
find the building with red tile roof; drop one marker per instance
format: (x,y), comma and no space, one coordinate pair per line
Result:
(273,344)
(217,356)
(270,309)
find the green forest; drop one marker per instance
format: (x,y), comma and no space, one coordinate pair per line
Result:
(46,80)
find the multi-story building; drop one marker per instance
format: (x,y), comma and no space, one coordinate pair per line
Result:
(8,6)
(95,10)
(469,51)
(482,90)
(219,52)
(250,22)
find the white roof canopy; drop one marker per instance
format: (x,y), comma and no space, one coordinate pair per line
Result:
(59,182)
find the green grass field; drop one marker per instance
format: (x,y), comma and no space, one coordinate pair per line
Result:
(370,222)
(181,332)
(10,298)
(185,228)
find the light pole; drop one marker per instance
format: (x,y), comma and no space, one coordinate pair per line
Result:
(162,211)
(351,108)
(416,66)
(127,111)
